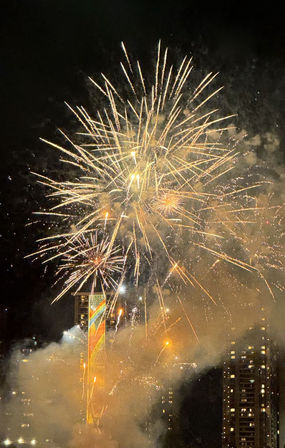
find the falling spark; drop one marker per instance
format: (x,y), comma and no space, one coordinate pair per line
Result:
(118,319)
(164,347)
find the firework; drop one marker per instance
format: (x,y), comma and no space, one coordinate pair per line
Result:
(153,173)
(87,258)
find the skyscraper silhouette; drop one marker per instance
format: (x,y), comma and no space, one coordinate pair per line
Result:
(250,389)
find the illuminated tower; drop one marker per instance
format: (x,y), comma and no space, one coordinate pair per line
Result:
(250,390)
(94,316)
(90,315)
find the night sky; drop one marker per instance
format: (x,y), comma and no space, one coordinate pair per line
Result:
(48,48)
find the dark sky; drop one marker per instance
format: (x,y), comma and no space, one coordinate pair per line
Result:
(49,47)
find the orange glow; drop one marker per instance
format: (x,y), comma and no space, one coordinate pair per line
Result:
(97,260)
(168,203)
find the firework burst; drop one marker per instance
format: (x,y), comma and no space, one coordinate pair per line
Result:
(89,258)
(152,170)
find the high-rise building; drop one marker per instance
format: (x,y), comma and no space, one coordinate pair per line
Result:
(81,305)
(96,314)
(18,406)
(250,389)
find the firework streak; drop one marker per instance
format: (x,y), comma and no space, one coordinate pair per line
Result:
(96,353)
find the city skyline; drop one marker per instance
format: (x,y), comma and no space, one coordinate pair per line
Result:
(182,290)
(248,348)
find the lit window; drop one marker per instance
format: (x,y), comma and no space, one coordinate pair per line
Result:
(233,357)
(233,342)
(232,376)
(232,352)
(262,366)
(232,409)
(263,328)
(232,429)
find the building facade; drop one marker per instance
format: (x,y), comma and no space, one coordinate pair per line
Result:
(250,389)
(18,415)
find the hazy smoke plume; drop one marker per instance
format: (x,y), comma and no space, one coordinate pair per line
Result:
(136,367)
